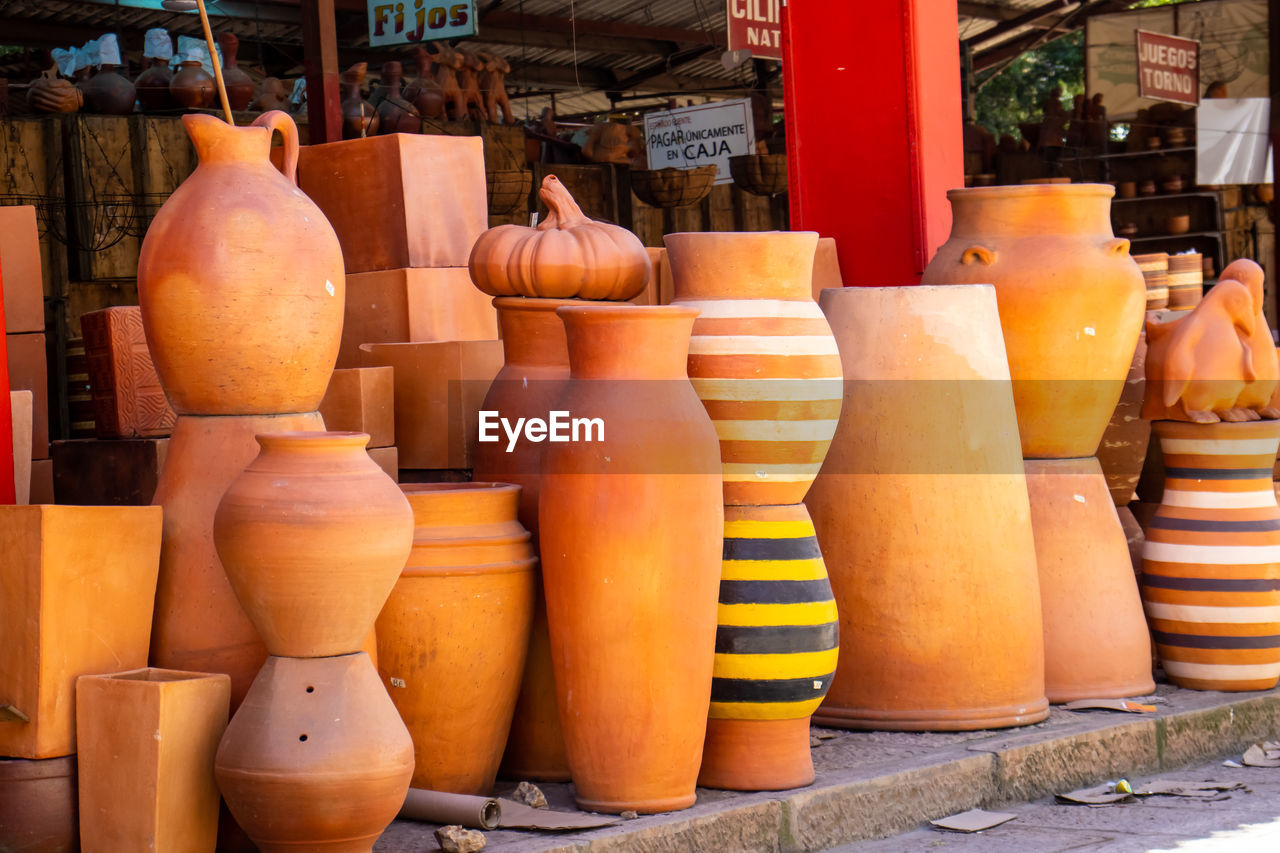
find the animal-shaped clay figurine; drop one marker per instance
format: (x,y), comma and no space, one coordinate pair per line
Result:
(425,93)
(494,87)
(1258,394)
(273,96)
(1198,366)
(448,61)
(469,82)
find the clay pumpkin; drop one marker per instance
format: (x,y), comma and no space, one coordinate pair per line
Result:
(568,255)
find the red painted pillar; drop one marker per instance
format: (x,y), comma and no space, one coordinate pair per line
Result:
(874,135)
(7,494)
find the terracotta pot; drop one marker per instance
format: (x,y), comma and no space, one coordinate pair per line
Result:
(395,114)
(240,279)
(1126,189)
(1147,188)
(147,740)
(459,616)
(425,94)
(313,535)
(193,87)
(1186,280)
(359,118)
(776,648)
(1071,303)
(908,657)
(627,607)
(109,92)
(76,594)
(316,758)
(239,85)
(1155,275)
(762,358)
(1212,557)
(1123,448)
(1087,587)
(1180,224)
(152,86)
(38,805)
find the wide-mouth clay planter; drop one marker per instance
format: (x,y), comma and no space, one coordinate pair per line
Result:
(38,805)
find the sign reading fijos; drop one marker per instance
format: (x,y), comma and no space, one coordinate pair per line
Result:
(410,21)
(1168,67)
(706,135)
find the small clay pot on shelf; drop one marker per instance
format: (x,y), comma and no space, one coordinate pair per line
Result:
(1179,224)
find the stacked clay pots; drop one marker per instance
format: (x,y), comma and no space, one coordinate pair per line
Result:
(765,365)
(1071,303)
(313,535)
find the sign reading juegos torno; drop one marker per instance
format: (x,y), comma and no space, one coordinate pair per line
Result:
(1168,67)
(755,25)
(411,21)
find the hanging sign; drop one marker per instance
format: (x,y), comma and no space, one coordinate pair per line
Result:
(1168,67)
(410,21)
(705,135)
(755,25)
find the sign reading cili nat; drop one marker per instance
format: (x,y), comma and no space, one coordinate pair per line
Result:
(755,25)
(1168,67)
(411,21)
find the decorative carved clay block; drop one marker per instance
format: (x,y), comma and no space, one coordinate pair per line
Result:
(362,399)
(128,401)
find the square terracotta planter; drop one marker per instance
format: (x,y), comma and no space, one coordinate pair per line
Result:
(147,740)
(77,588)
(362,399)
(826,267)
(28,371)
(20,270)
(400,200)
(388,459)
(128,401)
(115,472)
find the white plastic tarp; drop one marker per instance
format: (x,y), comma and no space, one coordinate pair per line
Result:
(1232,142)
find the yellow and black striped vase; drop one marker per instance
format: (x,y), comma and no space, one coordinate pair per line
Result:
(777,640)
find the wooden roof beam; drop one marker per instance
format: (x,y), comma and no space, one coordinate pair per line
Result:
(986,11)
(619,29)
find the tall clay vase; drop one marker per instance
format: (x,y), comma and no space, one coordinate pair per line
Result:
(631,530)
(1087,587)
(316,758)
(924,522)
(1211,563)
(395,114)
(240,279)
(152,86)
(239,85)
(1071,303)
(459,616)
(762,358)
(313,535)
(109,92)
(193,87)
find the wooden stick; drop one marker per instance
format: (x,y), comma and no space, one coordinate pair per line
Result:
(213,58)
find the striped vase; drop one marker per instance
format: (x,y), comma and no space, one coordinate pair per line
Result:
(1211,563)
(1155,272)
(777,641)
(762,358)
(1185,280)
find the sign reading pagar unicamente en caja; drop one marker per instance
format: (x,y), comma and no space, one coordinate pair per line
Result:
(1168,67)
(706,135)
(411,21)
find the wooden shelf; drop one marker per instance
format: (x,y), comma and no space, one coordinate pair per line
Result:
(1159,196)
(1149,153)
(1217,235)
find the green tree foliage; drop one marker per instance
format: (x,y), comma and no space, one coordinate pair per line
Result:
(1016,92)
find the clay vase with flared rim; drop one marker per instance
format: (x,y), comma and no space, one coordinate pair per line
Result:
(762,358)
(1211,563)
(240,86)
(193,87)
(109,92)
(38,806)
(939,631)
(316,758)
(1123,448)
(152,86)
(1071,303)
(240,279)
(395,114)
(1087,588)
(459,615)
(199,625)
(313,535)
(631,531)
(776,647)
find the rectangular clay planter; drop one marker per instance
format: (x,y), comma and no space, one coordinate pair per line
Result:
(362,399)
(412,305)
(826,267)
(128,401)
(400,200)
(147,740)
(652,293)
(41,481)
(20,270)
(439,388)
(28,371)
(388,459)
(97,472)
(77,588)
(20,406)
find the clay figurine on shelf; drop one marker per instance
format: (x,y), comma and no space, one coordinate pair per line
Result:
(494,87)
(395,114)
(50,94)
(274,96)
(239,85)
(449,61)
(359,119)
(469,82)
(425,93)
(608,142)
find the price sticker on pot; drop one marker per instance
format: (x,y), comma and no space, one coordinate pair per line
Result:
(413,21)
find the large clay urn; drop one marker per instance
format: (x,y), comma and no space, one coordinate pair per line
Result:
(631,530)
(193,87)
(313,535)
(924,522)
(109,92)
(1071,303)
(459,616)
(240,86)
(152,85)
(762,357)
(240,279)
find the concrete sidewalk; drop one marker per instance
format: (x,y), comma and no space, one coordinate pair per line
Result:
(876,784)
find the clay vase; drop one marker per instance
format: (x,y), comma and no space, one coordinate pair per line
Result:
(240,279)
(776,648)
(1123,448)
(762,358)
(359,119)
(316,758)
(1186,281)
(1087,588)
(152,86)
(193,87)
(631,532)
(1211,563)
(38,805)
(1071,303)
(313,535)
(939,631)
(459,616)
(239,85)
(109,92)
(425,94)
(395,114)
(1155,275)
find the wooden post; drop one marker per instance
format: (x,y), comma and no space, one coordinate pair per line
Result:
(874,130)
(320,58)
